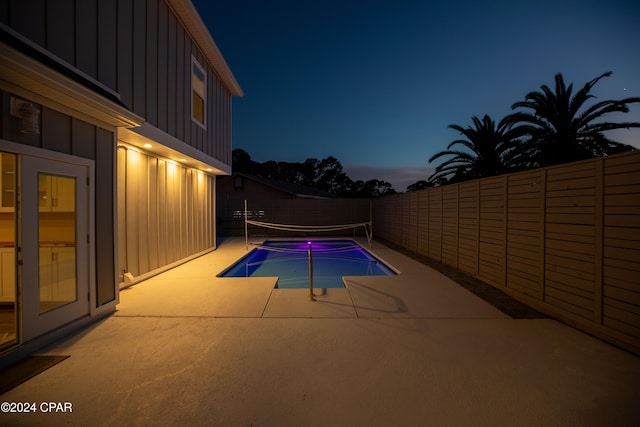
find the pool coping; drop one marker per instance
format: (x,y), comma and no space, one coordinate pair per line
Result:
(385,265)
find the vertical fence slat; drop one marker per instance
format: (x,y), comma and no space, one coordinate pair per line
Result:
(599,242)
(505,228)
(477,271)
(542,242)
(457,264)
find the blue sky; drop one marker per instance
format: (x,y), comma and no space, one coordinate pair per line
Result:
(376,83)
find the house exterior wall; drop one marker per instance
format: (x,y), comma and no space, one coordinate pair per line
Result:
(110,76)
(563,239)
(140,50)
(69,135)
(169,214)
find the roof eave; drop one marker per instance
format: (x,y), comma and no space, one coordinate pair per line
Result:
(26,77)
(194,25)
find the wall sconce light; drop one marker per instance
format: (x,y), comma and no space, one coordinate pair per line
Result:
(28,113)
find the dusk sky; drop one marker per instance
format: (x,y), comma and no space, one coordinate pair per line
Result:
(376,83)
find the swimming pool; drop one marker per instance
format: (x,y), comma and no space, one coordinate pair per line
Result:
(288,260)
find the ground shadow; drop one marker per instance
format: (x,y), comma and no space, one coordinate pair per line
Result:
(387,299)
(498,299)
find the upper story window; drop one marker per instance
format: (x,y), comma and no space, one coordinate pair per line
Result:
(198,93)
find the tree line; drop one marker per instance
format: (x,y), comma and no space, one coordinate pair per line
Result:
(326,175)
(549,127)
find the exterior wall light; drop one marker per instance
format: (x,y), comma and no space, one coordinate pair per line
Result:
(28,113)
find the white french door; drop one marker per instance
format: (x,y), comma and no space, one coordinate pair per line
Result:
(54,247)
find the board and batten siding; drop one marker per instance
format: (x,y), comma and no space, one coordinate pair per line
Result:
(137,48)
(70,135)
(166,213)
(563,239)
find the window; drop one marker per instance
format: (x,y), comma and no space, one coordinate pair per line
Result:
(198,93)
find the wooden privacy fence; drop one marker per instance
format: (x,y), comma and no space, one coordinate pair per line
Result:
(292,211)
(563,239)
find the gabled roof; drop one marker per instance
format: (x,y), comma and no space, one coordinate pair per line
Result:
(296,190)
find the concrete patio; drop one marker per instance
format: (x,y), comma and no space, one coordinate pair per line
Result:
(187,348)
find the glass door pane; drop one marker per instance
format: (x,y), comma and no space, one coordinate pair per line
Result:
(54,244)
(57,241)
(8,318)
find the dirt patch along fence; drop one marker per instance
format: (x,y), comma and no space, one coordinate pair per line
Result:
(564,239)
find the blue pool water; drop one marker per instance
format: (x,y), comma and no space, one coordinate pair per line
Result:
(288,260)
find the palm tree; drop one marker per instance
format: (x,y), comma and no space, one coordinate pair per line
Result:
(490,152)
(562,128)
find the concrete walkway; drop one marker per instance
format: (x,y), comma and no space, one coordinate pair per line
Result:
(187,348)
